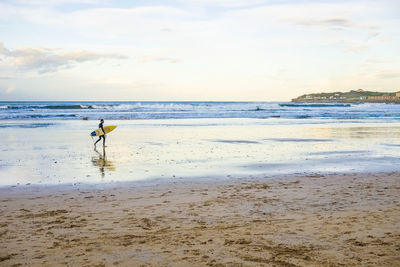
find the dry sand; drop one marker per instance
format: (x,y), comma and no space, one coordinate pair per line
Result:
(332,220)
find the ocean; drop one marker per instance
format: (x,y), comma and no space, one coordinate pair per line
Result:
(196,110)
(49,142)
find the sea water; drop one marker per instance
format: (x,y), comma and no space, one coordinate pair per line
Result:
(49,142)
(196,110)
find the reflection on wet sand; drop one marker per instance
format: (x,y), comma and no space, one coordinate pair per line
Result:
(102,162)
(371,132)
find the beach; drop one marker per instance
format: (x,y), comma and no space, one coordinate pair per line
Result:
(199,133)
(311,220)
(227,184)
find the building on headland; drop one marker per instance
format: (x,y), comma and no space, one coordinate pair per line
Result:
(359,95)
(385,97)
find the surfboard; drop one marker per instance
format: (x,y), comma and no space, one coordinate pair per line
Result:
(99,131)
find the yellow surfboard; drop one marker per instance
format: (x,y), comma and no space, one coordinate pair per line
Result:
(99,131)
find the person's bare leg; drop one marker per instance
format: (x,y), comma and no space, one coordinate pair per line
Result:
(97,141)
(104,141)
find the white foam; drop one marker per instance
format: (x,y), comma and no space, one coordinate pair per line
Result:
(117,106)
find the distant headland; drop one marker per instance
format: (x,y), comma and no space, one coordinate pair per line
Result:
(353,96)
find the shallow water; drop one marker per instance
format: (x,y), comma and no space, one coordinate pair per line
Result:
(61,151)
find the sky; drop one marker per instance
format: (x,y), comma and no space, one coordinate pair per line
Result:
(196,50)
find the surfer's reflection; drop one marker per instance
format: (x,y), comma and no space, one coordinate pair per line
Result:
(101,161)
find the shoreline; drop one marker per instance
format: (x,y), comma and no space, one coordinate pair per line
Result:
(311,220)
(167,181)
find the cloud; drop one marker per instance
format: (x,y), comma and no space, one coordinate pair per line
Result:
(335,23)
(55,2)
(167,30)
(389,74)
(42,59)
(145,59)
(378,60)
(7,89)
(373,34)
(10,89)
(329,22)
(357,48)
(225,3)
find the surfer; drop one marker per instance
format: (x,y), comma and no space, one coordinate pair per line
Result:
(101,136)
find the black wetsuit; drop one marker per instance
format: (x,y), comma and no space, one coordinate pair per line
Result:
(102,136)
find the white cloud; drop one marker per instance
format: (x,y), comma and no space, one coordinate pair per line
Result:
(145,59)
(378,61)
(335,22)
(225,3)
(357,48)
(42,59)
(55,2)
(10,89)
(389,74)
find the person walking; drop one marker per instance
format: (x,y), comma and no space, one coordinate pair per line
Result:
(101,136)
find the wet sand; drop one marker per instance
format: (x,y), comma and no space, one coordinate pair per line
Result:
(147,149)
(314,220)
